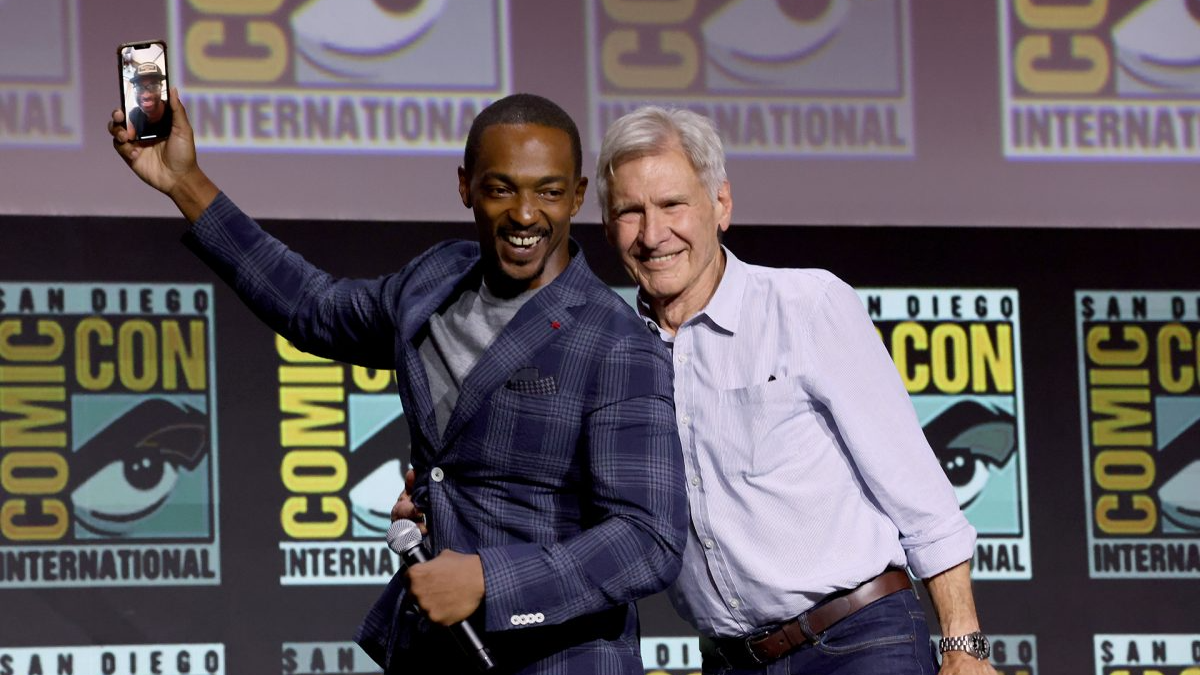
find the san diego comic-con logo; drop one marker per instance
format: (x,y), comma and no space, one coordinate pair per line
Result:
(107,435)
(40,92)
(388,76)
(828,77)
(345,447)
(1101,79)
(958,355)
(1147,654)
(1140,409)
(160,659)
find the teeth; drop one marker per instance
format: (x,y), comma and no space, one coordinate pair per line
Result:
(523,241)
(661,258)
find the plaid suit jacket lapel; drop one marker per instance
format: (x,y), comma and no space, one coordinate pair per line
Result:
(437,280)
(545,317)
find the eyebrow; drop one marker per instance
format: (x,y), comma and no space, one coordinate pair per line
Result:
(505,178)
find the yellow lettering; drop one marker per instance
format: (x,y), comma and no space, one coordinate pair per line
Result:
(1173,339)
(675,43)
(990,358)
(915,377)
(31,353)
(28,423)
(177,357)
(305,430)
(1134,470)
(313,471)
(208,33)
(15,508)
(102,376)
(650,11)
(1108,504)
(47,473)
(1134,355)
(948,351)
(1115,429)
(1059,16)
(333,514)
(1088,48)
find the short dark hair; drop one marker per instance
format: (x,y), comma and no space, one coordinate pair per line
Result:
(522,109)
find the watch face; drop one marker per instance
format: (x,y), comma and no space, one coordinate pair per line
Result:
(980,645)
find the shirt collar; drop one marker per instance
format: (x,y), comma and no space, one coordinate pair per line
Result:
(722,310)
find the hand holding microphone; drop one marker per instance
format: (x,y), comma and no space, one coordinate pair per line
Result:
(448,588)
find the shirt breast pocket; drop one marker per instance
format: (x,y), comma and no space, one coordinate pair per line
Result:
(758,426)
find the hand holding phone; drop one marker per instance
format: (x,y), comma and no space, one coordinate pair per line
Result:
(145,83)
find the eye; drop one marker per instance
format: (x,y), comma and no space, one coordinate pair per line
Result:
(377,464)
(124,491)
(354,41)
(971,441)
(129,471)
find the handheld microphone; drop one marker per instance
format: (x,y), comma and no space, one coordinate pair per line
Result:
(404,538)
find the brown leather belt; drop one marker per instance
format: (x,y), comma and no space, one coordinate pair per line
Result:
(765,646)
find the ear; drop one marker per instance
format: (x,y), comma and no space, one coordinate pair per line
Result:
(725,206)
(464,187)
(580,191)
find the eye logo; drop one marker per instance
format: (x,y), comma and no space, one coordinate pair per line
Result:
(376,474)
(1180,491)
(358,41)
(137,476)
(1158,47)
(786,33)
(971,441)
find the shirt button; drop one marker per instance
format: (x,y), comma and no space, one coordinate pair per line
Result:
(685,420)
(734,603)
(437,474)
(709,543)
(695,480)
(681,358)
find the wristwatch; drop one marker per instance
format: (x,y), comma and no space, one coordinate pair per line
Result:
(976,644)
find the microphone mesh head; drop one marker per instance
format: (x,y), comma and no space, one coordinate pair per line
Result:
(403,535)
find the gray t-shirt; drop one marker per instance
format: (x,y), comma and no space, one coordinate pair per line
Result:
(458,337)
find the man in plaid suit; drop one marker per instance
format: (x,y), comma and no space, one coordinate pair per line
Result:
(543,438)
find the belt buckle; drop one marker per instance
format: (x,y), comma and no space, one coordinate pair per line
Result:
(756,635)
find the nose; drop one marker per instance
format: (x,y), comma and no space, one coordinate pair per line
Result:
(525,211)
(655,230)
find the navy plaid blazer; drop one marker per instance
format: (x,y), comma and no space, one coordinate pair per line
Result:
(560,465)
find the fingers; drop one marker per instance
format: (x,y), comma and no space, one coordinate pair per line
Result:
(410,481)
(179,118)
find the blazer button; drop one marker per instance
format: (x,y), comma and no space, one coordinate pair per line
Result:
(437,474)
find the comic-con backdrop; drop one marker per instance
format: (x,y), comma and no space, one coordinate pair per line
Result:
(1010,185)
(185,492)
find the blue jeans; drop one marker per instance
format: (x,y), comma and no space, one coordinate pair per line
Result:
(888,636)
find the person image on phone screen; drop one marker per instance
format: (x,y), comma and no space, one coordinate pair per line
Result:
(151,118)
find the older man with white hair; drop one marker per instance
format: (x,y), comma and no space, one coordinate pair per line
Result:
(810,483)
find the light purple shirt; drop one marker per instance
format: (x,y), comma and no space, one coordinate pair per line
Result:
(807,470)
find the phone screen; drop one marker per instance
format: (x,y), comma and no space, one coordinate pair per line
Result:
(145,82)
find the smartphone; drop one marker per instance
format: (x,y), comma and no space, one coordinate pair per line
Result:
(145,81)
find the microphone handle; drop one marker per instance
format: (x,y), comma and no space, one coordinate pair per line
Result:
(462,631)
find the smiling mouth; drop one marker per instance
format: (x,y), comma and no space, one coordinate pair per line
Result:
(523,242)
(661,258)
